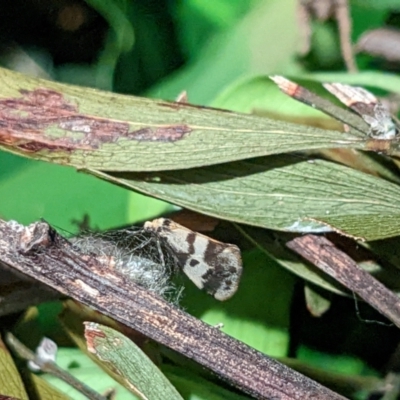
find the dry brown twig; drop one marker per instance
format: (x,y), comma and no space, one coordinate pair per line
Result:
(39,252)
(325,255)
(50,368)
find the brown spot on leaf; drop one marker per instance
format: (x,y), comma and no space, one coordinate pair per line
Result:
(24,122)
(91,334)
(169,133)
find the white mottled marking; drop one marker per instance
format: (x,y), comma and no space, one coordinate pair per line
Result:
(208,263)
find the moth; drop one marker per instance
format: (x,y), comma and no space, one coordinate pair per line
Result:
(368,107)
(382,125)
(211,265)
(137,255)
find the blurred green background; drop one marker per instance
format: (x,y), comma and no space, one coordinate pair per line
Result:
(220,52)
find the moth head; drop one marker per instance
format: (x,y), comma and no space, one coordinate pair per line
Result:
(159,225)
(381,124)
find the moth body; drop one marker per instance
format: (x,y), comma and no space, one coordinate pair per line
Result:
(211,265)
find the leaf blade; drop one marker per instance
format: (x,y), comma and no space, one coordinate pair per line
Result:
(282,193)
(91,129)
(10,381)
(129,361)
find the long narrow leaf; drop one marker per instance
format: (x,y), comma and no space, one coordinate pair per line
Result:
(284,193)
(139,373)
(91,129)
(10,380)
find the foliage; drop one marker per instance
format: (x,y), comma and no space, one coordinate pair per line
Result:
(222,53)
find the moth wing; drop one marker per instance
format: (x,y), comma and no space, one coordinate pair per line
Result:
(211,265)
(229,272)
(215,267)
(349,95)
(365,104)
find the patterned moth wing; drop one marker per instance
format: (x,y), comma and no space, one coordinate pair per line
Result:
(370,109)
(213,266)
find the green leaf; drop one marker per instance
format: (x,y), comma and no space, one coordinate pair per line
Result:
(260,95)
(318,302)
(273,246)
(384,268)
(142,377)
(91,129)
(81,367)
(62,197)
(310,97)
(283,193)
(10,380)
